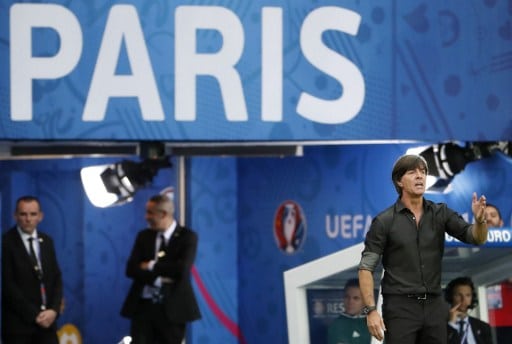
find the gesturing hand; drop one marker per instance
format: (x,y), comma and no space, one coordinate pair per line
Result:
(478,207)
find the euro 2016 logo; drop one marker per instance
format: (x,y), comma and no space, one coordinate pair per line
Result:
(69,334)
(289,227)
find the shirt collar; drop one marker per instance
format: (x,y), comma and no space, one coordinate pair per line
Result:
(168,232)
(356,316)
(25,236)
(399,205)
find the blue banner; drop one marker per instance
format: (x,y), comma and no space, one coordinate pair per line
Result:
(497,237)
(252,70)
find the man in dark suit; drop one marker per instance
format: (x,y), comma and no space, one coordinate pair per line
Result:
(161,299)
(31,279)
(462,328)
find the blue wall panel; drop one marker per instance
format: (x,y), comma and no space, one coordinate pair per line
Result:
(213,213)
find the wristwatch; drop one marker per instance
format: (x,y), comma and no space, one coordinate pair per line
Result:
(368,309)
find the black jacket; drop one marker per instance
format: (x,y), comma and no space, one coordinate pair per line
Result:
(21,293)
(481,331)
(179,299)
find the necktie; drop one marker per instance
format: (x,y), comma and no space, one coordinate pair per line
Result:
(161,249)
(33,257)
(462,332)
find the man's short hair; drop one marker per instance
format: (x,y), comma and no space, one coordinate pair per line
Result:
(28,198)
(353,282)
(164,203)
(406,163)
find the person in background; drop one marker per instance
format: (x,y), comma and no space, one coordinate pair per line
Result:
(161,300)
(31,279)
(409,237)
(493,216)
(460,293)
(495,220)
(350,326)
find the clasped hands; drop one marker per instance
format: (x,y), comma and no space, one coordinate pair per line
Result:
(46,318)
(146,265)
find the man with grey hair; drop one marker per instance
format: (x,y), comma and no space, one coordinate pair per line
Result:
(409,238)
(161,299)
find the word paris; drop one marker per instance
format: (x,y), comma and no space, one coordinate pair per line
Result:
(123,25)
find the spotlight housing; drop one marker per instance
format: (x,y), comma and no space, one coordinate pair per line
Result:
(115,184)
(445,160)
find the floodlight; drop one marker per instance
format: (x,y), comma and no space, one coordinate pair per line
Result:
(115,184)
(445,160)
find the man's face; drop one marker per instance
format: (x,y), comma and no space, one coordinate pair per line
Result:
(463,295)
(413,182)
(353,301)
(154,216)
(28,216)
(493,218)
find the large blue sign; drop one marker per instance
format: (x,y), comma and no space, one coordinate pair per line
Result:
(252,71)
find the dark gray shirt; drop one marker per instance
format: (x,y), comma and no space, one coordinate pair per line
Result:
(411,254)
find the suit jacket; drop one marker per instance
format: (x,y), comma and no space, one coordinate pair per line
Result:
(178,296)
(21,288)
(481,331)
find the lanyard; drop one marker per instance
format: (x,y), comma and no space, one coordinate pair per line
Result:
(39,271)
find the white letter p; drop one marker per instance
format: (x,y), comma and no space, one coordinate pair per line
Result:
(25,67)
